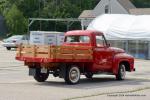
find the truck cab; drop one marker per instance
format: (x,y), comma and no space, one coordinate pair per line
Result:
(83,52)
(103,53)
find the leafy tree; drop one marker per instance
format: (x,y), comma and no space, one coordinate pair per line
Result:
(16,22)
(141,3)
(4,6)
(16,12)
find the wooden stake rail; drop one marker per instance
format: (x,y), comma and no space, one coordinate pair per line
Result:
(55,52)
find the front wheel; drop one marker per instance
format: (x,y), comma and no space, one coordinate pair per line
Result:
(41,77)
(72,75)
(121,72)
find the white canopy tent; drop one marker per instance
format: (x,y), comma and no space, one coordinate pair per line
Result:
(122,26)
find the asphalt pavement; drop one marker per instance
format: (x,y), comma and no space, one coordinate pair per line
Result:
(15,84)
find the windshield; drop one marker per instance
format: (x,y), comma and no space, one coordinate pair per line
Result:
(77,39)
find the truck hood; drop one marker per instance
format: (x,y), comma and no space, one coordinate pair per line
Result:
(117,50)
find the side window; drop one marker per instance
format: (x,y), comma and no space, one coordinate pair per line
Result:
(100,42)
(71,39)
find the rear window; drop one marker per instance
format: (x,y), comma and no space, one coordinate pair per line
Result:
(77,39)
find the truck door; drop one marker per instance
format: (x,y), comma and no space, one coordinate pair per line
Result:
(102,54)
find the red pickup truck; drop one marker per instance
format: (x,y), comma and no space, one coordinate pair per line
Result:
(82,53)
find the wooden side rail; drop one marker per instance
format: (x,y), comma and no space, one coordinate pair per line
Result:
(55,52)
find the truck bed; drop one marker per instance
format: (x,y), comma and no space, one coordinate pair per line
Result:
(45,53)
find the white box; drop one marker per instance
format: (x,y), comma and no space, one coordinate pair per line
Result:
(50,39)
(60,39)
(46,38)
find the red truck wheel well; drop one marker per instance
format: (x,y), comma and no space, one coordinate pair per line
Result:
(127,65)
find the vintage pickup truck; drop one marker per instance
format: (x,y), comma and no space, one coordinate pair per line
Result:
(83,52)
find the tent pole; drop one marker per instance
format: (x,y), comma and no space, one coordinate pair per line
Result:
(149,50)
(127,46)
(137,49)
(82,24)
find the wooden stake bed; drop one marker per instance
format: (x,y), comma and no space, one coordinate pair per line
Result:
(43,53)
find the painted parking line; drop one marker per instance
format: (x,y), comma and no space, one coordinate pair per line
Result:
(109,93)
(142,78)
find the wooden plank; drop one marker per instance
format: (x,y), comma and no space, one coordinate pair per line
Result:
(64,51)
(27,54)
(34,51)
(27,51)
(83,51)
(27,48)
(41,51)
(18,53)
(83,56)
(42,55)
(42,48)
(53,52)
(83,47)
(49,51)
(64,56)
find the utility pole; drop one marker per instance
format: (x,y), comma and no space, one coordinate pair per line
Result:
(40,13)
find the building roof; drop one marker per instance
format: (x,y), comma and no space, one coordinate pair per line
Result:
(140,11)
(86,14)
(127,4)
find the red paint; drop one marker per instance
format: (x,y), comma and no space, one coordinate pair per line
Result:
(105,58)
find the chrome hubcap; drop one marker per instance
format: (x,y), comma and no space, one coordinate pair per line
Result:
(74,74)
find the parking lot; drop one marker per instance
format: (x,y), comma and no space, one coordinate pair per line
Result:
(15,84)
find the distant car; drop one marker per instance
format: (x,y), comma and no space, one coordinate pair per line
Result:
(15,40)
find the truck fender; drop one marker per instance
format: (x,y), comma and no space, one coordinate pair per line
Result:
(118,58)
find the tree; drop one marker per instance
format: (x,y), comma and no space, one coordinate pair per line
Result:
(141,3)
(16,22)
(16,16)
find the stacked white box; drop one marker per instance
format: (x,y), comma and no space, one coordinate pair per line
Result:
(46,38)
(60,39)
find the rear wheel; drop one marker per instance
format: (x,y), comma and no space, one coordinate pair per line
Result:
(8,48)
(72,75)
(121,72)
(41,77)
